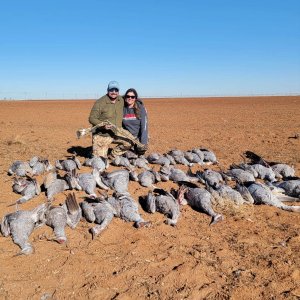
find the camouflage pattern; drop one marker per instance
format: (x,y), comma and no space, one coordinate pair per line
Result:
(120,136)
(101,145)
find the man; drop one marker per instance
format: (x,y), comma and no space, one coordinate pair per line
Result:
(109,107)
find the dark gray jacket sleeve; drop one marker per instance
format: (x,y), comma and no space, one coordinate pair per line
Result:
(144,126)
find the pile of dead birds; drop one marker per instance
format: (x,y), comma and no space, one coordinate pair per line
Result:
(254,181)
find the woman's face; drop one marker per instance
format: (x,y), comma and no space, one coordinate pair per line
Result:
(130,98)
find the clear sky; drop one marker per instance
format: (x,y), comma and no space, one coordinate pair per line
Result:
(72,49)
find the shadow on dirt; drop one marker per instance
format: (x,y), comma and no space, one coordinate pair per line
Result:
(142,201)
(81,151)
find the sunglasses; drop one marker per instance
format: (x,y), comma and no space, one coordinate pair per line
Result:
(113,90)
(130,97)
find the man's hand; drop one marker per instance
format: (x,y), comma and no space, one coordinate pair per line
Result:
(108,127)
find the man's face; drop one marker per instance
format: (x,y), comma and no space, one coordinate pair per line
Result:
(113,94)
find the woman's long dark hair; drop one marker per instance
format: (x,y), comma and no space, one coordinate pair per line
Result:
(136,108)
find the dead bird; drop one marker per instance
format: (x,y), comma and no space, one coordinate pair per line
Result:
(255,158)
(209,156)
(85,182)
(262,194)
(188,155)
(58,217)
(21,224)
(153,156)
(165,172)
(100,212)
(54,185)
(165,203)
(199,153)
(34,160)
(245,167)
(123,162)
(283,170)
(174,174)
(179,158)
(170,158)
(39,165)
(28,187)
(148,177)
(210,177)
(179,175)
(99,163)
(133,176)
(19,168)
(50,177)
(193,157)
(206,156)
(127,209)
(130,154)
(268,170)
(159,159)
(198,198)
(176,152)
(265,173)
(290,187)
(183,161)
(240,175)
(242,189)
(117,180)
(68,164)
(140,162)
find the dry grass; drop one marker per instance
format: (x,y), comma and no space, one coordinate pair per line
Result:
(229,208)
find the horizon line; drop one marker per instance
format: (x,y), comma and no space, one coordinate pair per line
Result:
(159,97)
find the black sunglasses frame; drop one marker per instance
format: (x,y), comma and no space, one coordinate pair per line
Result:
(114,90)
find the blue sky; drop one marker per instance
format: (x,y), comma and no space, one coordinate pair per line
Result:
(72,49)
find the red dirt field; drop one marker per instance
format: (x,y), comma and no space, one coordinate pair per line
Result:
(252,254)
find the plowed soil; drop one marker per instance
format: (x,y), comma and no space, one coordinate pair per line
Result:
(252,254)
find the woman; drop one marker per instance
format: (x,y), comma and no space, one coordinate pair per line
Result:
(135,118)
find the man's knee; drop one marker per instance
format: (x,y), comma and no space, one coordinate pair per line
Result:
(100,140)
(101,145)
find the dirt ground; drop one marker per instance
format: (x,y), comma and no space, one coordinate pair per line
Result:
(252,254)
